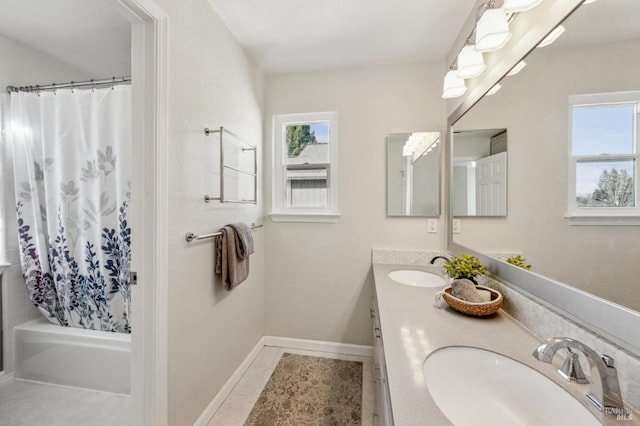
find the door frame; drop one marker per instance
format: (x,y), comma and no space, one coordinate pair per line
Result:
(149,71)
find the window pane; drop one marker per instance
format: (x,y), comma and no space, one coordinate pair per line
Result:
(307,143)
(307,187)
(605,183)
(604,129)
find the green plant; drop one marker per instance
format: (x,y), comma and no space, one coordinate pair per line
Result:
(519,261)
(465,266)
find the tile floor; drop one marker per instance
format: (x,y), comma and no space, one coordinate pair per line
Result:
(236,408)
(39,404)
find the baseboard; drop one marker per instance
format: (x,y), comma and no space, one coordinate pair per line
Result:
(318,345)
(226,389)
(281,342)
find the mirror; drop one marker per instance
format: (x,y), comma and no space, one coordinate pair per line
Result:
(479,172)
(597,54)
(413,174)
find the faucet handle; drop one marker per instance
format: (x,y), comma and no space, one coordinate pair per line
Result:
(571,369)
(608,361)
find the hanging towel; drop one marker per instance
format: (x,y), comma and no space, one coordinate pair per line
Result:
(233,248)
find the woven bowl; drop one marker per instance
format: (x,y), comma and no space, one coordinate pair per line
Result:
(477,309)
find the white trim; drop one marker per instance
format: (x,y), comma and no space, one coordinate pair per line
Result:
(318,345)
(226,389)
(602,220)
(282,213)
(149,375)
(305,217)
(281,342)
(601,215)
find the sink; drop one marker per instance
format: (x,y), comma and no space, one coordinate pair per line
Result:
(417,278)
(473,386)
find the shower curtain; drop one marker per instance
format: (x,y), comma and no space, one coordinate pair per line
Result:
(71,156)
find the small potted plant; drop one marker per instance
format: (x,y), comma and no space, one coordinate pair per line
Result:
(519,261)
(466,266)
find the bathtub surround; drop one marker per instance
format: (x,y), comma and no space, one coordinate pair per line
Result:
(545,323)
(69,356)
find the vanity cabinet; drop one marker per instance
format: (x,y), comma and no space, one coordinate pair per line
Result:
(382,414)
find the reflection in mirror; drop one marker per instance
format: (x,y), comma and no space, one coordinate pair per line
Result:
(413,174)
(562,208)
(479,172)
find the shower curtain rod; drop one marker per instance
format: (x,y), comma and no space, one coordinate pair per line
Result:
(113,80)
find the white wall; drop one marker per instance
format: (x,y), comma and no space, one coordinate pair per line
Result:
(20,66)
(212,83)
(599,256)
(318,276)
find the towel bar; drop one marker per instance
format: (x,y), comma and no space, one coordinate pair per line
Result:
(190,236)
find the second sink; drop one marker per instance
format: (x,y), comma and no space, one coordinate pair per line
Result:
(417,278)
(476,387)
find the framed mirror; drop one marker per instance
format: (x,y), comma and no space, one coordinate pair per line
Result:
(413,174)
(582,259)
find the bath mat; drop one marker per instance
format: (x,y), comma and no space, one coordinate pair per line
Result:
(309,390)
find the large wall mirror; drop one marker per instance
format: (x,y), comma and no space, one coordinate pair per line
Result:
(582,90)
(413,174)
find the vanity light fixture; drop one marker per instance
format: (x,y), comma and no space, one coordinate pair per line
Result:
(515,70)
(492,29)
(494,89)
(453,85)
(511,6)
(552,36)
(470,62)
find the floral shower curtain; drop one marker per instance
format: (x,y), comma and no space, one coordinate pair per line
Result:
(71,155)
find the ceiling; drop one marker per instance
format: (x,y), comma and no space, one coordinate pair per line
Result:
(305,35)
(89,35)
(282,35)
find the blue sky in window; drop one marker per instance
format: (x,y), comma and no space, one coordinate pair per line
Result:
(321,131)
(601,130)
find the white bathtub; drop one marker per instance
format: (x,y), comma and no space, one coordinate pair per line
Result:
(90,359)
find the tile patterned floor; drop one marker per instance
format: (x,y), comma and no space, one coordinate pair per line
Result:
(236,408)
(38,404)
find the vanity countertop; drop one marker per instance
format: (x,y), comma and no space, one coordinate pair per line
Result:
(412,328)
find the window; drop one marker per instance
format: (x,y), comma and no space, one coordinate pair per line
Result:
(305,185)
(603,158)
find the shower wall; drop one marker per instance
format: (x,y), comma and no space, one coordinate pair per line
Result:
(25,66)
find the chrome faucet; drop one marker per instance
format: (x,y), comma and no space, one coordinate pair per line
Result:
(433,261)
(611,401)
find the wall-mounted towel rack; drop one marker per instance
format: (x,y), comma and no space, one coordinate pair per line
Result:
(251,148)
(190,236)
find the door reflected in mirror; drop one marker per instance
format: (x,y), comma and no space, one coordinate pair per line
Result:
(413,174)
(479,172)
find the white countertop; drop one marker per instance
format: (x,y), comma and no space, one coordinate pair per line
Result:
(412,328)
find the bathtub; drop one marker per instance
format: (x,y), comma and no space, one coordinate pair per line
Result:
(90,359)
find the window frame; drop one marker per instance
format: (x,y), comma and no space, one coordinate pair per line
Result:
(603,215)
(280,211)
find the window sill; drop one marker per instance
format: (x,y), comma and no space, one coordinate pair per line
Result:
(304,217)
(602,220)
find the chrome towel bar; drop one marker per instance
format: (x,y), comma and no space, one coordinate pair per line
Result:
(190,236)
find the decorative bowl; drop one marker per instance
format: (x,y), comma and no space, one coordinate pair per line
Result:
(476,309)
